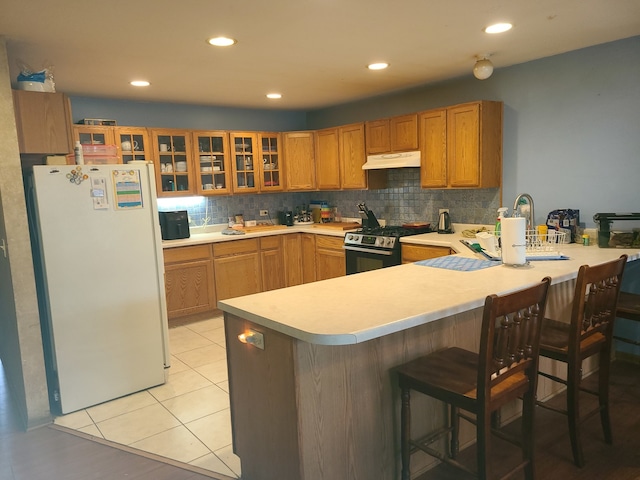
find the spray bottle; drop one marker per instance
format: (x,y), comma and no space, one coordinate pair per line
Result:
(502,212)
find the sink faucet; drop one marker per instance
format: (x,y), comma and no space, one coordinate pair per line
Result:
(530,215)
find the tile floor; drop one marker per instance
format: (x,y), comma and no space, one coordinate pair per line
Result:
(187,419)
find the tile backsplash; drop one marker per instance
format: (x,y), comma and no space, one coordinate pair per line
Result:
(402,201)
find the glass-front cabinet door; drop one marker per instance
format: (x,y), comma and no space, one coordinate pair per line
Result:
(132,144)
(271,165)
(173,162)
(93,135)
(244,161)
(213,169)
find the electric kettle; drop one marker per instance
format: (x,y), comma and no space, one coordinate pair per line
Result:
(444,223)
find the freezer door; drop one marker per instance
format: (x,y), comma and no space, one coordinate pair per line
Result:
(101,281)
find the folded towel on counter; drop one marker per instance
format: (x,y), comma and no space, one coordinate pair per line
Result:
(462,264)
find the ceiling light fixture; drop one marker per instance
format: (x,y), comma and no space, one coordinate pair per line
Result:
(377,66)
(483,67)
(140,83)
(498,28)
(274,96)
(221,41)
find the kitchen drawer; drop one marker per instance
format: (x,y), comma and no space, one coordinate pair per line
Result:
(236,247)
(415,253)
(327,241)
(184,254)
(271,242)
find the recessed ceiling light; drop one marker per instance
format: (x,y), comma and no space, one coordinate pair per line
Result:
(377,66)
(274,95)
(498,28)
(221,41)
(140,83)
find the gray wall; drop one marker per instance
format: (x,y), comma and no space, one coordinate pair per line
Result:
(571,126)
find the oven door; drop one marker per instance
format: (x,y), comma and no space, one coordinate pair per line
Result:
(362,259)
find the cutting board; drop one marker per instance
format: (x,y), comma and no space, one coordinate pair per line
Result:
(338,225)
(259,228)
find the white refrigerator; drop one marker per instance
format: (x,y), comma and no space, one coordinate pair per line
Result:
(99,270)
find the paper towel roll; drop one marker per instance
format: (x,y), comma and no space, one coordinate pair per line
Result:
(513,232)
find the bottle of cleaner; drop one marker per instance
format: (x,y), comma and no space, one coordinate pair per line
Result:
(77,150)
(502,212)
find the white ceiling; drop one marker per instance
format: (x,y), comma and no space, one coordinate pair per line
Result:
(312,51)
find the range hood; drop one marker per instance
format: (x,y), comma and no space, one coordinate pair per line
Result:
(392,160)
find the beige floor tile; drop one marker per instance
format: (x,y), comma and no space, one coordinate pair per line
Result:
(181,339)
(177,443)
(198,404)
(224,385)
(137,425)
(216,335)
(91,430)
(75,420)
(230,459)
(213,430)
(206,325)
(214,371)
(203,355)
(121,405)
(179,384)
(213,463)
(177,365)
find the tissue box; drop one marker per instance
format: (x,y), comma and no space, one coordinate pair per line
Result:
(565,220)
(618,230)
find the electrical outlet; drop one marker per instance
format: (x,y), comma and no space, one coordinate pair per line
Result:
(442,210)
(264,213)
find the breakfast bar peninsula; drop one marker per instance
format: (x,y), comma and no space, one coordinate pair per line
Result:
(311,368)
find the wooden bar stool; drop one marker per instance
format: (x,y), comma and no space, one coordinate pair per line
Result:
(505,369)
(629,308)
(590,332)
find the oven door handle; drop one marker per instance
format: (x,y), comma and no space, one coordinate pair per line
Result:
(367,250)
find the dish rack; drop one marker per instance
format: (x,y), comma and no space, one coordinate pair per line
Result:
(537,245)
(545,245)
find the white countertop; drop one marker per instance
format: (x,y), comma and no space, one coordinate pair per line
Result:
(361,307)
(214,234)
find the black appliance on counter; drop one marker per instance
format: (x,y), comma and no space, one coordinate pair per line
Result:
(286,218)
(373,247)
(174,225)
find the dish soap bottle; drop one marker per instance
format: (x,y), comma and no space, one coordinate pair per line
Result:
(502,212)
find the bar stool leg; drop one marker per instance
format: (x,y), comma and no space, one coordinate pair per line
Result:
(603,395)
(529,402)
(574,374)
(483,445)
(454,422)
(405,421)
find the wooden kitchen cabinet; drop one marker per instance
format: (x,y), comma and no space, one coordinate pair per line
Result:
(414,253)
(352,157)
(300,157)
(244,161)
(212,162)
(328,159)
(188,273)
(270,168)
(272,262)
(330,259)
(292,253)
(174,164)
(132,143)
(43,122)
(395,134)
(237,267)
(462,146)
(308,245)
(93,135)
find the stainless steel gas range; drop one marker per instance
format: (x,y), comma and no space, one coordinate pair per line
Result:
(374,246)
